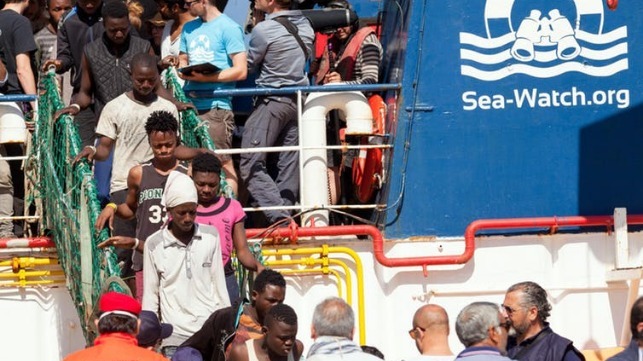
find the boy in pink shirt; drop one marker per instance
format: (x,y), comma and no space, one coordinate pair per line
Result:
(226,215)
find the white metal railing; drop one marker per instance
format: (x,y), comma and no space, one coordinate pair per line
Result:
(299,91)
(11,99)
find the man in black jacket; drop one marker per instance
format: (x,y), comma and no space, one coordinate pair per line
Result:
(530,337)
(79,27)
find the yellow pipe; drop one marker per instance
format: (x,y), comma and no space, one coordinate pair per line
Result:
(23,274)
(316,270)
(324,250)
(349,279)
(24,283)
(25,262)
(324,263)
(311,261)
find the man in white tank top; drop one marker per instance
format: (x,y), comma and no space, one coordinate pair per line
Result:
(279,342)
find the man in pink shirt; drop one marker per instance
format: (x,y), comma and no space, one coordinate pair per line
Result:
(226,215)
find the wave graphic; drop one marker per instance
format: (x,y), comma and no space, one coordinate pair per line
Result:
(486,43)
(543,56)
(491,59)
(598,71)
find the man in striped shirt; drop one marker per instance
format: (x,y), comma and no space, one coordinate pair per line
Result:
(352,55)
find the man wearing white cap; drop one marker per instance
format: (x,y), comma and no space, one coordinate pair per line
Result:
(183,271)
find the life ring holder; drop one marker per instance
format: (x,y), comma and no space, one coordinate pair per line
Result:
(367,172)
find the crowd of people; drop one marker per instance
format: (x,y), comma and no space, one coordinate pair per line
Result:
(108,55)
(173,230)
(96,47)
(266,328)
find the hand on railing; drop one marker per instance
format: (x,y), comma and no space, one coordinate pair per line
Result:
(72,109)
(168,61)
(57,64)
(181,106)
(122,242)
(106,216)
(31,126)
(86,153)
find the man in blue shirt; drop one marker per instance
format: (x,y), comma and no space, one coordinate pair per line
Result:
(216,39)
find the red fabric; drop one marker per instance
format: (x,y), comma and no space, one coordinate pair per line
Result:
(114,301)
(115,347)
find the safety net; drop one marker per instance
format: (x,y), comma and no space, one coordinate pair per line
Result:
(69,206)
(67,196)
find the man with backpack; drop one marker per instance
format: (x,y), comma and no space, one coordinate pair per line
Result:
(278,52)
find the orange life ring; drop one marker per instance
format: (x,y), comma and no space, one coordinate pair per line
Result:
(367,166)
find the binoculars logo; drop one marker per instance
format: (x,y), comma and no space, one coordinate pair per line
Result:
(546,43)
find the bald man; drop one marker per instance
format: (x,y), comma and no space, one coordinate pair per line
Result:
(431,332)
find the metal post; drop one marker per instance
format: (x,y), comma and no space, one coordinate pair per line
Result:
(86,246)
(301,152)
(622,252)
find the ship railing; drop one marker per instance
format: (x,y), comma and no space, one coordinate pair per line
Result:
(301,92)
(26,142)
(66,206)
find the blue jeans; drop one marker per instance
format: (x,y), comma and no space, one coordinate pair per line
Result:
(233,287)
(168,351)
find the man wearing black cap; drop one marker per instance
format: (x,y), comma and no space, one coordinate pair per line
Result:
(118,324)
(152,331)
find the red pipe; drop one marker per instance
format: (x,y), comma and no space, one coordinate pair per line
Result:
(26,242)
(469,235)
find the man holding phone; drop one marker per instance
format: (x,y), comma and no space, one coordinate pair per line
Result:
(216,39)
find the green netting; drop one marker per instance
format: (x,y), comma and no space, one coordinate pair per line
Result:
(69,206)
(194,132)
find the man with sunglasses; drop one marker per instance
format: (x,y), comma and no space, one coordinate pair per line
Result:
(431,334)
(530,337)
(483,330)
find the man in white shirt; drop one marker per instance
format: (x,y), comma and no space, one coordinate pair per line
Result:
(182,269)
(121,129)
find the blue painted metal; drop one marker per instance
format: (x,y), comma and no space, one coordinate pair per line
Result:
(294,90)
(17,98)
(458,159)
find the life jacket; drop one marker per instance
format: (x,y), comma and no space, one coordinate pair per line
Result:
(345,65)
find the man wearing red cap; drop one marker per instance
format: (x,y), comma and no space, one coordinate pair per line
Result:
(118,324)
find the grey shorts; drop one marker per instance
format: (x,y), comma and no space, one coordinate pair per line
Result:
(221,126)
